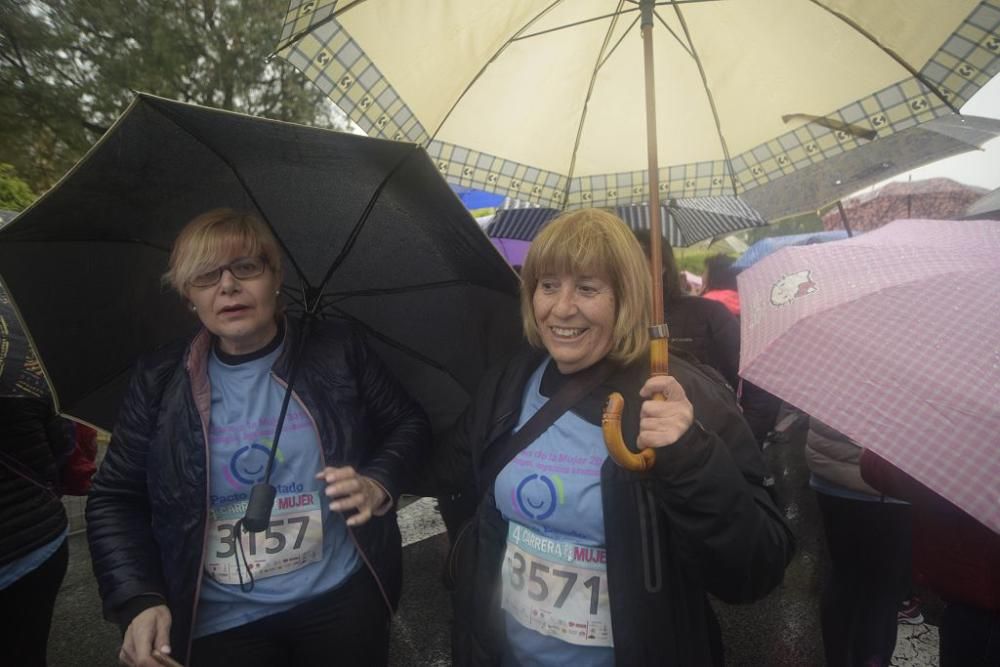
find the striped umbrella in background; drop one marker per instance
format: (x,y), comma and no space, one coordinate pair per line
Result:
(687,221)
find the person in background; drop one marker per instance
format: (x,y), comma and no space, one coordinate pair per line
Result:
(868,539)
(702,328)
(955,556)
(720,282)
(174,566)
(34,442)
(760,407)
(571,559)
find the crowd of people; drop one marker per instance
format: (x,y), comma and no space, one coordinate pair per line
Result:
(558,554)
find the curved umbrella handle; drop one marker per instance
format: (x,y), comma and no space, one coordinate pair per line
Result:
(611,419)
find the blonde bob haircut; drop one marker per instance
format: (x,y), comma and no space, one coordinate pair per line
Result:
(215,236)
(595,243)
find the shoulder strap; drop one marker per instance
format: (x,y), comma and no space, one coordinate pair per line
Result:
(577,387)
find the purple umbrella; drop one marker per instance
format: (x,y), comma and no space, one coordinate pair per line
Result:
(513,250)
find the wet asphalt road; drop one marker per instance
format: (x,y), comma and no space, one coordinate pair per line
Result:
(780,630)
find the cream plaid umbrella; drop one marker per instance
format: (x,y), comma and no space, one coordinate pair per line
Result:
(543,100)
(547,100)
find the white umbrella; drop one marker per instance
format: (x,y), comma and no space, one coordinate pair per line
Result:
(543,100)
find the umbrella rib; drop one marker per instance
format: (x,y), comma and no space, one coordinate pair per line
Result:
(586,101)
(620,40)
(359,225)
(573,24)
(711,99)
(397,345)
(169,115)
(677,37)
(492,59)
(892,54)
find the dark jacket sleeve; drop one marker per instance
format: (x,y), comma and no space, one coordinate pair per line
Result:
(124,555)
(403,433)
(710,484)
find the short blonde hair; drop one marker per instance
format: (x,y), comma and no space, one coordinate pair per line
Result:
(594,242)
(214,236)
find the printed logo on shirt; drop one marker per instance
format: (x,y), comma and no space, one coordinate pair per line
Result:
(248,464)
(537,496)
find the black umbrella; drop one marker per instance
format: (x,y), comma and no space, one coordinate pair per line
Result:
(370,231)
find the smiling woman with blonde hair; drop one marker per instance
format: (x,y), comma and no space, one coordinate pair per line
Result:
(175,564)
(570,559)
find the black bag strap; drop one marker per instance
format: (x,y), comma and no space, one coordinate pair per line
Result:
(578,386)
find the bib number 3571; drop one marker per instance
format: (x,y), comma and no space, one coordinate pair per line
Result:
(537,579)
(557,588)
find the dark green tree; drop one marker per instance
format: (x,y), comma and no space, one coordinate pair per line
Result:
(14,193)
(68,68)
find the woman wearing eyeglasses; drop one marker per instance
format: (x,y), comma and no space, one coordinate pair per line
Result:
(174,565)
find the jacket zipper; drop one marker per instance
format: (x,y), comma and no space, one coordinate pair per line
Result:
(322,455)
(204,541)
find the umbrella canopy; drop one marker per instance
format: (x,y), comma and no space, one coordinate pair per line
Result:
(370,231)
(817,185)
(20,372)
(986,208)
(933,198)
(893,338)
(513,250)
(772,244)
(685,221)
(749,92)
(476,199)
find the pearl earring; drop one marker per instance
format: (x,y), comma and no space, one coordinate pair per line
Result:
(277,292)
(194,308)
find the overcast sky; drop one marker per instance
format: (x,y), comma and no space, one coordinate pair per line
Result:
(980,168)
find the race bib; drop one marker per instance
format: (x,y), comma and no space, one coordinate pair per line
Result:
(557,588)
(293,539)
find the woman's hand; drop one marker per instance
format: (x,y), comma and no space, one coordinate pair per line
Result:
(148,631)
(349,490)
(662,423)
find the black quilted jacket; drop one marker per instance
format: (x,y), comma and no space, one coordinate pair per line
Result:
(699,522)
(147,512)
(32,442)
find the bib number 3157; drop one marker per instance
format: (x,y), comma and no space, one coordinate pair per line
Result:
(292,540)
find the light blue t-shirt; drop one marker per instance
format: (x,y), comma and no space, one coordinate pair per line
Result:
(297,564)
(30,562)
(553,487)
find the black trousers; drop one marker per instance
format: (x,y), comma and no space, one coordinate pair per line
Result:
(347,626)
(26,611)
(970,637)
(870,560)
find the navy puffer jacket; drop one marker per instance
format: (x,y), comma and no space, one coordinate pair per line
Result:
(147,511)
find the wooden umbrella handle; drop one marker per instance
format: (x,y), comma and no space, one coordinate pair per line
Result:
(611,419)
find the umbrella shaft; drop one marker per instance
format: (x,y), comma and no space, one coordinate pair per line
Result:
(655,227)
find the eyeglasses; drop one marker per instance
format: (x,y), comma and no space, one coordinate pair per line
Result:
(243,268)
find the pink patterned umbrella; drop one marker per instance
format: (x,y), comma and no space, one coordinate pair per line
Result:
(893,338)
